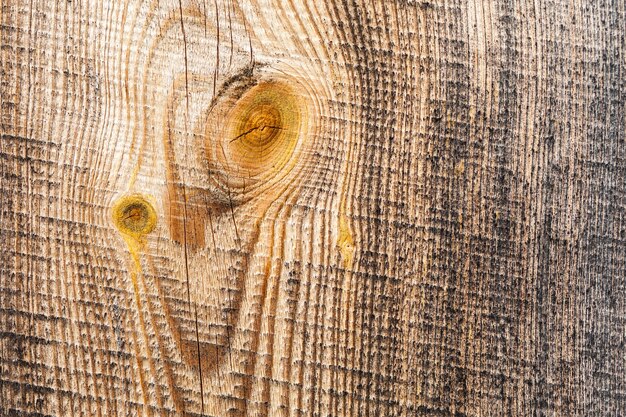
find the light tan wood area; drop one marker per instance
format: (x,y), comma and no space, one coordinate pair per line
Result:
(348,208)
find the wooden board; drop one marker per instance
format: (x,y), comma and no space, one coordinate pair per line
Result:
(312,208)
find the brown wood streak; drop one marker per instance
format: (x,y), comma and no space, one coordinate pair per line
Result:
(363,208)
(195,353)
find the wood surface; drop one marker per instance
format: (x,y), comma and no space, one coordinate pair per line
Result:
(312,208)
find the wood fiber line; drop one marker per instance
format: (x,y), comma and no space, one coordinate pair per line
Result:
(305,208)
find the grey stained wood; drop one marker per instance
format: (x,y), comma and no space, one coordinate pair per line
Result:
(312,208)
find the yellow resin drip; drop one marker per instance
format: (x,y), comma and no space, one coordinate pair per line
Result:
(134,216)
(345,241)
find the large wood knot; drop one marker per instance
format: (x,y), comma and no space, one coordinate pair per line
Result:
(253,141)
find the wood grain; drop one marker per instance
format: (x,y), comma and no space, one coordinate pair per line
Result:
(312,208)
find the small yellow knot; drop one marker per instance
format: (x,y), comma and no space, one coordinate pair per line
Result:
(134,216)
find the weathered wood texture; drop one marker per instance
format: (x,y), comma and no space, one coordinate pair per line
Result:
(312,208)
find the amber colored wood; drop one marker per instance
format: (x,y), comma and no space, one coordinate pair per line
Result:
(312,208)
